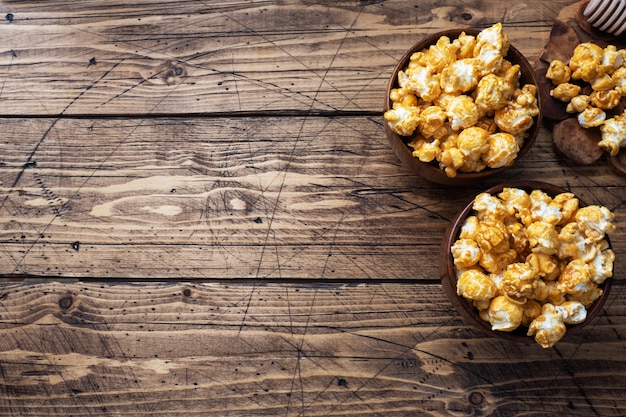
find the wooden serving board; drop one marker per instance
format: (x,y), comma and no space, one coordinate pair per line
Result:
(570,29)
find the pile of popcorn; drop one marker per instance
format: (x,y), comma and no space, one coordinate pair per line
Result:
(604,70)
(461,103)
(532,260)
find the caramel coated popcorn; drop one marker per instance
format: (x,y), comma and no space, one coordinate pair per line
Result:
(461,103)
(532,260)
(604,71)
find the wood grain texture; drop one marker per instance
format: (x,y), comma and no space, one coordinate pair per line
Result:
(292,350)
(297,197)
(181,57)
(200,216)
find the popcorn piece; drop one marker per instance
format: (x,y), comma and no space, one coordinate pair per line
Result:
(519,280)
(587,298)
(495,263)
(472,166)
(578,104)
(510,72)
(481,305)
(469,228)
(519,237)
(460,76)
(475,285)
(517,116)
(488,124)
(543,265)
(425,151)
(473,142)
(418,59)
(591,117)
(540,291)
(443,100)
(612,59)
(517,202)
(441,54)
(619,78)
(492,236)
(527,97)
(568,206)
(542,208)
(462,112)
(464,45)
(400,95)
(573,312)
(595,221)
(558,72)
(605,99)
(602,264)
(489,207)
(432,120)
(555,295)
(576,278)
(548,328)
(503,149)
(422,81)
(565,91)
(450,160)
(504,315)
(466,253)
(543,238)
(402,120)
(530,311)
(574,244)
(492,93)
(603,83)
(613,134)
(490,58)
(494,37)
(586,61)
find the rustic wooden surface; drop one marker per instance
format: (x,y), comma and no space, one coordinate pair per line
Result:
(200,215)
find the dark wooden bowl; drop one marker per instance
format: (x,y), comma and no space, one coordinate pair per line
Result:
(431,171)
(448,276)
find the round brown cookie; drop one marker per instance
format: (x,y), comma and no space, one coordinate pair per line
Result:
(577,143)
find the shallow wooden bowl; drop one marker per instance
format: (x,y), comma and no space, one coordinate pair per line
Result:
(431,171)
(448,276)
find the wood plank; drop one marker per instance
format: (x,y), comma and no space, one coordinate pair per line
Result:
(281,198)
(309,197)
(175,57)
(282,349)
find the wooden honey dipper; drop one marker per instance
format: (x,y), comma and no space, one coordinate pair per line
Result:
(608,16)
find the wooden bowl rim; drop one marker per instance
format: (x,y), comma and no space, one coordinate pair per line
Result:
(448,276)
(428,170)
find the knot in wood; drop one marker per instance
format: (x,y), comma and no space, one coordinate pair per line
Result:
(476,398)
(66,302)
(173,73)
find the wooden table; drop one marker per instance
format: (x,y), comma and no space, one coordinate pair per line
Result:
(201,215)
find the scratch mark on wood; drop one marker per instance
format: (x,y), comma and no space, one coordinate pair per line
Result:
(245,313)
(297,372)
(571,373)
